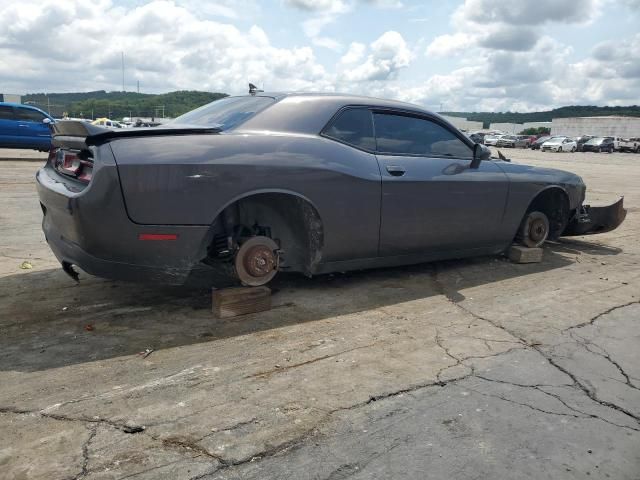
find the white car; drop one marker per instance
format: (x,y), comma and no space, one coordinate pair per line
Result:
(492,139)
(559,144)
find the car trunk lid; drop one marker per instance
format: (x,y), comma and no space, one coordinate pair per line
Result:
(79,135)
(73,143)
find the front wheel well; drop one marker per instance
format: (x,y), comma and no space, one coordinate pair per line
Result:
(292,221)
(554,203)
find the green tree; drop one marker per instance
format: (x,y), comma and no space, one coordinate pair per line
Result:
(536,131)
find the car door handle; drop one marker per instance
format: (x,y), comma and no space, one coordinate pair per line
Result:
(395,170)
(22,125)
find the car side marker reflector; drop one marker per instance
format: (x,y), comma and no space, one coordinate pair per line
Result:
(157,236)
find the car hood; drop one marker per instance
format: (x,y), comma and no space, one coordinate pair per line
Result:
(521,172)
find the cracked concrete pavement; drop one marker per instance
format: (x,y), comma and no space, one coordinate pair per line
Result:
(474,368)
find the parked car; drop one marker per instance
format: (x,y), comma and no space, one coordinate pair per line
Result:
(248,186)
(629,145)
(580,141)
(477,138)
(599,144)
(513,141)
(559,144)
(24,126)
(108,123)
(492,139)
(538,143)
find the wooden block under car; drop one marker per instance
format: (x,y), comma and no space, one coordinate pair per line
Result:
(232,302)
(520,254)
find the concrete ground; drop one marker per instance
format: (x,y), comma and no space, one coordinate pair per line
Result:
(461,369)
(10,154)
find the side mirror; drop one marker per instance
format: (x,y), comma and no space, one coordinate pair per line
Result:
(46,120)
(480,152)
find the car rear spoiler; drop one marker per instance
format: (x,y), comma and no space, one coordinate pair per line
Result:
(589,220)
(79,135)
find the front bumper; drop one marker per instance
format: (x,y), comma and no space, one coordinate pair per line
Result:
(591,220)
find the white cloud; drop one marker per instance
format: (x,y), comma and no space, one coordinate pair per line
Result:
(506,57)
(388,54)
(354,54)
(449,44)
(527,12)
(327,42)
(317,5)
(166,47)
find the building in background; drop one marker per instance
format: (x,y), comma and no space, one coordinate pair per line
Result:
(611,126)
(507,127)
(515,128)
(463,123)
(8,97)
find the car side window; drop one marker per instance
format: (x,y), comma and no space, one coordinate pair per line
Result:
(28,115)
(406,135)
(6,112)
(353,126)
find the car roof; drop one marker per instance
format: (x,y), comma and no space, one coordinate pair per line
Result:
(348,98)
(309,112)
(22,105)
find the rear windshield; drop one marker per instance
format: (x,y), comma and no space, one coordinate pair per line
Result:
(226,113)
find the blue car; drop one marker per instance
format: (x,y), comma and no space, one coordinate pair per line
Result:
(24,126)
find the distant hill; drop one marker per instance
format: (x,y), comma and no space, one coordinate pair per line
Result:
(120,104)
(123,104)
(546,116)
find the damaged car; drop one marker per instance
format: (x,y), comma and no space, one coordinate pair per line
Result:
(248,186)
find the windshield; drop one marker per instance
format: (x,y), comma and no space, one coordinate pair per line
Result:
(595,141)
(226,113)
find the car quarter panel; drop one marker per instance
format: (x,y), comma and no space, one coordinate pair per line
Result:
(189,180)
(526,182)
(88,226)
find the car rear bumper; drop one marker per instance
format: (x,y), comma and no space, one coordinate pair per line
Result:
(591,220)
(69,253)
(89,228)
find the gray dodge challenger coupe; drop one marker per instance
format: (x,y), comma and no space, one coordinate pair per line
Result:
(248,186)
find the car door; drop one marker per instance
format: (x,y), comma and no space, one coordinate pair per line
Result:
(32,129)
(8,126)
(431,199)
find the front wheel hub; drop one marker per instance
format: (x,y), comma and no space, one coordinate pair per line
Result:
(257,261)
(538,230)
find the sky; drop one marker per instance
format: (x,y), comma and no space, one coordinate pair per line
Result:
(472,55)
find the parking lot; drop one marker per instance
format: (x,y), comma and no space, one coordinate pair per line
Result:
(475,368)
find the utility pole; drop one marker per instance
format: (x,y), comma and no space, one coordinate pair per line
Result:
(138,86)
(122,71)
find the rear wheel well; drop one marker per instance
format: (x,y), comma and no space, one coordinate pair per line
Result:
(290,220)
(554,203)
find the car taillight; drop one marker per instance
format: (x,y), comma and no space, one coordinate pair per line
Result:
(73,164)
